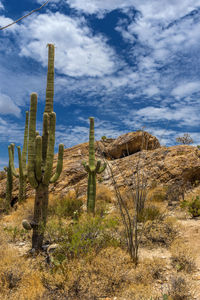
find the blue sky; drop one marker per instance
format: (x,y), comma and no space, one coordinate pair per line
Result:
(128,63)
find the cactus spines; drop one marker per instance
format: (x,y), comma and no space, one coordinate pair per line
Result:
(41,155)
(92,168)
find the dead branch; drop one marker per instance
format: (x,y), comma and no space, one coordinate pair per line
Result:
(1,28)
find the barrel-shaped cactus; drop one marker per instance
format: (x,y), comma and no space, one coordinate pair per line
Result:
(40,157)
(92,168)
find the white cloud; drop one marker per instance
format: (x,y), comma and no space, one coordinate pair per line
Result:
(1,6)
(186,88)
(151,91)
(155,9)
(4,21)
(182,114)
(8,107)
(78,51)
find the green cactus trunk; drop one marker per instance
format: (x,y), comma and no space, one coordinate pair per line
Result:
(91,192)
(41,155)
(92,170)
(40,215)
(9,186)
(22,188)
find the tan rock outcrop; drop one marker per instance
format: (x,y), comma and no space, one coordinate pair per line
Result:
(163,165)
(131,143)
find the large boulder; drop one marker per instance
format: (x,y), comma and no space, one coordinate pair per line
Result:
(130,143)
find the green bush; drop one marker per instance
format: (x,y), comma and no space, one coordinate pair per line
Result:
(66,207)
(149,213)
(55,230)
(103,137)
(15,233)
(89,235)
(193,206)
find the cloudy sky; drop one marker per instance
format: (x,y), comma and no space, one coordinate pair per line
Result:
(128,63)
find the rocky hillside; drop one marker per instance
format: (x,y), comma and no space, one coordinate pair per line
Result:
(164,165)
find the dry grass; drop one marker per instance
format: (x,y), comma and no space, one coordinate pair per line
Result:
(159,233)
(24,211)
(100,276)
(156,194)
(103,193)
(18,279)
(179,287)
(182,258)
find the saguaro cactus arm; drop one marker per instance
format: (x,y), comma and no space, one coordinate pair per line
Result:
(99,168)
(31,142)
(21,173)
(86,166)
(11,159)
(59,167)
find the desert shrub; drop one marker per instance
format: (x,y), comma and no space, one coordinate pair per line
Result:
(140,279)
(179,289)
(55,230)
(103,137)
(148,271)
(18,279)
(185,139)
(10,278)
(16,233)
(159,232)
(153,184)
(99,278)
(2,175)
(89,235)
(157,194)
(65,206)
(181,257)
(193,206)
(103,194)
(3,205)
(177,190)
(149,213)
(101,208)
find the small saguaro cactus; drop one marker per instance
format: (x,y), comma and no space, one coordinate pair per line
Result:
(92,168)
(41,155)
(22,174)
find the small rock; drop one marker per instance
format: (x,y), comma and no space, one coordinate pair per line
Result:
(21,244)
(52,248)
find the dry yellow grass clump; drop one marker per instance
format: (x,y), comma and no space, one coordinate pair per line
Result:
(18,278)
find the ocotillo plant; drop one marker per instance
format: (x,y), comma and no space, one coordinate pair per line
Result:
(22,175)
(40,157)
(92,168)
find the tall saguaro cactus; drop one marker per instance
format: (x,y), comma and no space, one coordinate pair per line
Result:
(22,174)
(40,157)
(92,168)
